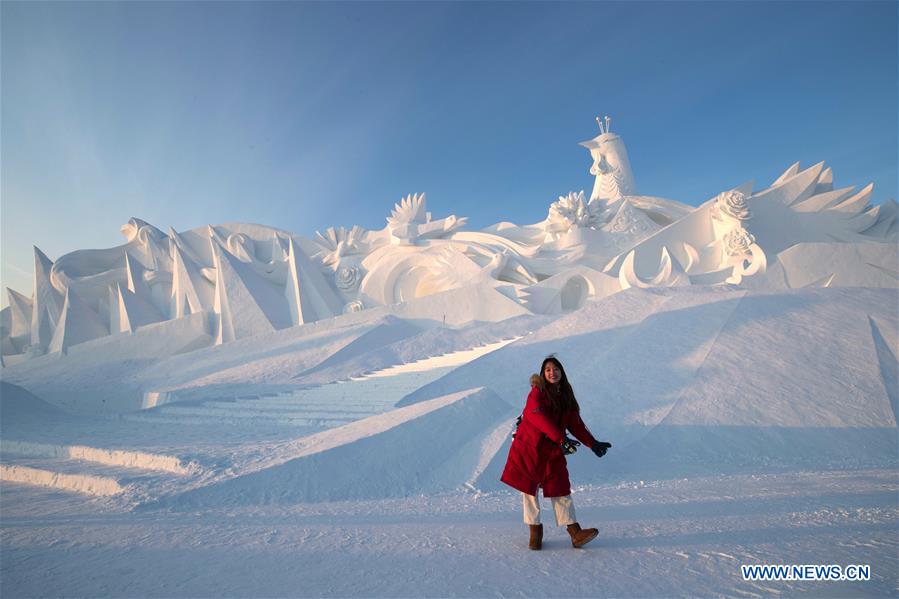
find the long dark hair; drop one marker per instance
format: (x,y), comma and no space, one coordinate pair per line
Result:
(560,397)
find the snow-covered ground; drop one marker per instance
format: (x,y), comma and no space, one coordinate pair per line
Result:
(361,457)
(681,537)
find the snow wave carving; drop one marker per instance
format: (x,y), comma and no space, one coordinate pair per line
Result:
(667,275)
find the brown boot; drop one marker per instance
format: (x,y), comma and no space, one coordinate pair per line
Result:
(536,541)
(579,536)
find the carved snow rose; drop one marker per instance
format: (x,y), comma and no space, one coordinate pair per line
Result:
(347,278)
(573,210)
(733,204)
(738,241)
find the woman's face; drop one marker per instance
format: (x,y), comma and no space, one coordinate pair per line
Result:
(551,373)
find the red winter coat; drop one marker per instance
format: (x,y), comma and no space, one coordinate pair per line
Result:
(536,458)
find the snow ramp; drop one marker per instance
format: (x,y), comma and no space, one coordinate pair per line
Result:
(795,379)
(707,380)
(431,446)
(507,370)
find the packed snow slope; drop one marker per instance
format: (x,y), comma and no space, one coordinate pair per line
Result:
(748,428)
(715,379)
(682,381)
(121,374)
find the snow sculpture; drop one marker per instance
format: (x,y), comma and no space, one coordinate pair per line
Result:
(732,204)
(46,304)
(78,323)
(190,291)
(740,252)
(308,294)
(572,211)
(225,282)
(336,243)
(611,166)
(409,221)
(20,322)
(129,310)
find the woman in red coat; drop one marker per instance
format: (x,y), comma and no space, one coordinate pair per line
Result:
(537,456)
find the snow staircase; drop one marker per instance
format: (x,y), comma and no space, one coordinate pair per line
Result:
(90,470)
(321,407)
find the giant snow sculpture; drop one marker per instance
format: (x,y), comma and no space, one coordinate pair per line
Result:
(224,282)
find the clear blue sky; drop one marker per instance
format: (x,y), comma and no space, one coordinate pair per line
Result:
(309,115)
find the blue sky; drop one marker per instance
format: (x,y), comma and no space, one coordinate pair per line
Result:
(309,115)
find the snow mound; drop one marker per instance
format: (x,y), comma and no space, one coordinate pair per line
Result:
(18,405)
(390,331)
(475,337)
(428,447)
(824,264)
(506,371)
(803,378)
(123,371)
(704,379)
(714,379)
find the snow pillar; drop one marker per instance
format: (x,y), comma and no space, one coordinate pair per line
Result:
(46,302)
(77,324)
(308,293)
(245,303)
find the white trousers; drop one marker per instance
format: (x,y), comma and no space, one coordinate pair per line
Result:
(562,506)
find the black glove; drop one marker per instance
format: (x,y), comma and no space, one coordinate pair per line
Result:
(569,446)
(600,448)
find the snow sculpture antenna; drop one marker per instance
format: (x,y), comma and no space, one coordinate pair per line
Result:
(605,124)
